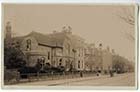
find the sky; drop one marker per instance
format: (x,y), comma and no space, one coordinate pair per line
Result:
(95,23)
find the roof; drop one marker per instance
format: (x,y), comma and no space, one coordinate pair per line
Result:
(77,41)
(53,40)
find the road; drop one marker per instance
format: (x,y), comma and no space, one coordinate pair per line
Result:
(127,79)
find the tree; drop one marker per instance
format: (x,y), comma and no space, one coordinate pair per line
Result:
(129,18)
(14,58)
(121,64)
(118,63)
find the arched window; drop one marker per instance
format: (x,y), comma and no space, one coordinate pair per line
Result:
(28,46)
(68,49)
(79,52)
(60,62)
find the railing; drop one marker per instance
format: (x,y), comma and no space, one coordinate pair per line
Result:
(45,76)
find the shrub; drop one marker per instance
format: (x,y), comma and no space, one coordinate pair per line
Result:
(11,76)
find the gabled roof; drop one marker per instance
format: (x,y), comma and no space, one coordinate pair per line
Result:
(53,40)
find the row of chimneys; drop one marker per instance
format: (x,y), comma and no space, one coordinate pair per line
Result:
(100,47)
(65,29)
(108,49)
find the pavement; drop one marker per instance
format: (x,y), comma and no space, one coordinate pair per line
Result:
(126,79)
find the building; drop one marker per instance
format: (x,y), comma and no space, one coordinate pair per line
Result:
(36,48)
(97,58)
(73,49)
(93,57)
(71,55)
(57,48)
(61,49)
(79,54)
(90,57)
(107,60)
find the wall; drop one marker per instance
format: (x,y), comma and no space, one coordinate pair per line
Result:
(107,60)
(36,52)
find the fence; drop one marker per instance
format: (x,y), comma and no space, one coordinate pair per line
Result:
(45,76)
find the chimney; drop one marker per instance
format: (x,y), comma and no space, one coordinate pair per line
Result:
(100,46)
(8,30)
(67,29)
(64,29)
(8,36)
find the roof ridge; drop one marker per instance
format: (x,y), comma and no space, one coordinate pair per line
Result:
(36,33)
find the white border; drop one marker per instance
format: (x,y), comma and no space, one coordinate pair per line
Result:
(70,1)
(74,2)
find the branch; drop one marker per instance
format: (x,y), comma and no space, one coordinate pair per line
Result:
(127,20)
(130,36)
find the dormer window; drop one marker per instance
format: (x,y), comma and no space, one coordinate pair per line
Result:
(28,45)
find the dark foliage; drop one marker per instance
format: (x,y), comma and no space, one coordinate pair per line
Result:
(14,58)
(24,71)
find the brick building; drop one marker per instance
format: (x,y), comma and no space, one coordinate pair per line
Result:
(57,48)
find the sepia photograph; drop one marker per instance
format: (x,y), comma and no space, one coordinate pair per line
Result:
(69,45)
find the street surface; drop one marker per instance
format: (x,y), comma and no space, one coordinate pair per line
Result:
(127,79)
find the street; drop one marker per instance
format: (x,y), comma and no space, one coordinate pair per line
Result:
(126,79)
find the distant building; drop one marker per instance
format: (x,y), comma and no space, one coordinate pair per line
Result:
(90,57)
(93,57)
(107,60)
(97,58)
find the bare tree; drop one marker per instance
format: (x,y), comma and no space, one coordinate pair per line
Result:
(129,18)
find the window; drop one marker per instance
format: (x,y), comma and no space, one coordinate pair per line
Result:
(28,45)
(78,64)
(60,62)
(79,52)
(68,49)
(82,64)
(17,45)
(41,62)
(48,55)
